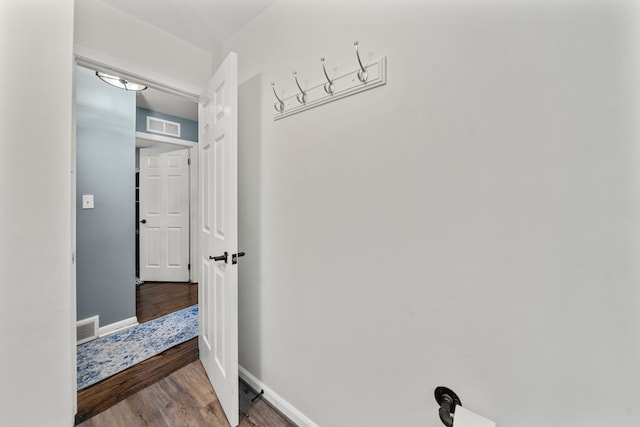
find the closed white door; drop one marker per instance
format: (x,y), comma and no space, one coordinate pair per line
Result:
(164,215)
(218,292)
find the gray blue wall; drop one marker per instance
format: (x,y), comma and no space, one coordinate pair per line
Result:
(105,168)
(188,128)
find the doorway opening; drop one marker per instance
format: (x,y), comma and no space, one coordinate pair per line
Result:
(166,203)
(166,186)
(217,225)
(112,138)
(124,163)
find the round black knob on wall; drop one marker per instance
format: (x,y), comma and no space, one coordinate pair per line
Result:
(447,400)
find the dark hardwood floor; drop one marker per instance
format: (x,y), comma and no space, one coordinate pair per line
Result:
(153,300)
(171,388)
(185,398)
(156,299)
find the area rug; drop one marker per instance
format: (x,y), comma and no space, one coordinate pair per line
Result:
(106,356)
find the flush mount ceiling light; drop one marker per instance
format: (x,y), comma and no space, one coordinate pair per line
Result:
(119,82)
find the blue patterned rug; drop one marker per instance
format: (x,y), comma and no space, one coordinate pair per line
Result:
(106,356)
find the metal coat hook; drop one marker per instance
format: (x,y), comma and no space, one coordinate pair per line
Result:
(302,96)
(279,106)
(328,87)
(362,72)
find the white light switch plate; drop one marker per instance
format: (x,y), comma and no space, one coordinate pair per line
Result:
(87,201)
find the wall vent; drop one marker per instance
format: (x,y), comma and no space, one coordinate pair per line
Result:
(164,127)
(87,329)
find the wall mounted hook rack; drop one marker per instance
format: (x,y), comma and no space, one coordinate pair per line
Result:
(355,80)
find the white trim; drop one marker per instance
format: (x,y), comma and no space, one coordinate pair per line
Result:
(98,61)
(165,139)
(117,326)
(276,400)
(194,249)
(72,291)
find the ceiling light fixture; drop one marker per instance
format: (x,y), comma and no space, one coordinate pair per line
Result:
(120,82)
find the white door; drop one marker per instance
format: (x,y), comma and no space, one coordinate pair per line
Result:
(218,292)
(164,215)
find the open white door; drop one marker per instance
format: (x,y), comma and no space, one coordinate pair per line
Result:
(218,292)
(164,215)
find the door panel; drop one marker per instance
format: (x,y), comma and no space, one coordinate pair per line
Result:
(219,235)
(175,236)
(152,246)
(164,206)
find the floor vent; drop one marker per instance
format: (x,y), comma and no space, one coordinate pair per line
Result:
(87,329)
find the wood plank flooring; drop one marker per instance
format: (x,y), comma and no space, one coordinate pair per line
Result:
(259,413)
(156,299)
(169,389)
(106,393)
(153,300)
(185,398)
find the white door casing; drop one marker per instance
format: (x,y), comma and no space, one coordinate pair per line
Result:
(218,228)
(164,215)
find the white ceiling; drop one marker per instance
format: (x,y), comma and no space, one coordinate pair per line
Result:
(203,23)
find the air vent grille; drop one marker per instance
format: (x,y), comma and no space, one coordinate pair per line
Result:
(164,127)
(87,329)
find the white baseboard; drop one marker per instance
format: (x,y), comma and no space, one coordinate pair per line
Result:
(117,326)
(276,400)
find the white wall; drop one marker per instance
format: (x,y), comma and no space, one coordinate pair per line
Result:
(474,223)
(37,375)
(249,214)
(110,32)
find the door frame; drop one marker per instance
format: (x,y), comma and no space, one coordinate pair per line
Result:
(97,61)
(100,62)
(163,273)
(194,246)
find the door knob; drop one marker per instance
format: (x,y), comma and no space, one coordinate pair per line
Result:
(220,257)
(144,221)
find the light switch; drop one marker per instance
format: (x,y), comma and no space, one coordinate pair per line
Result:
(87,201)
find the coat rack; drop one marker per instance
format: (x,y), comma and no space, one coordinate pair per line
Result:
(331,88)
